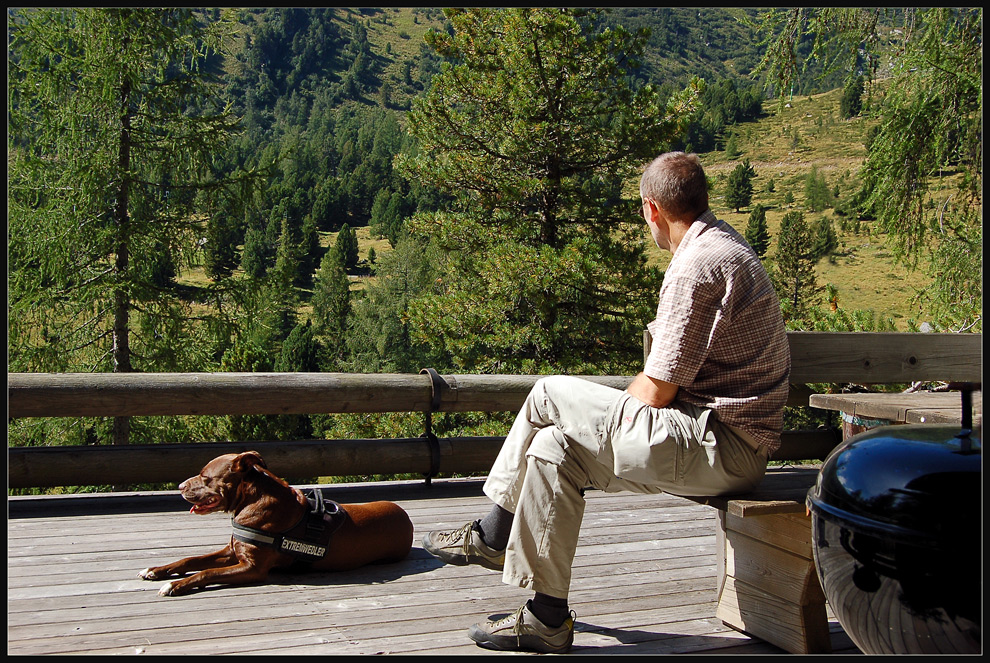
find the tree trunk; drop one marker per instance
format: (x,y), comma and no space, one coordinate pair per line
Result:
(121,298)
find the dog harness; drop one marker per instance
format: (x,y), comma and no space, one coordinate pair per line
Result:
(309,539)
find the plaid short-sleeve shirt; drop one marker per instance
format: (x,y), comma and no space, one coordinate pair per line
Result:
(719,334)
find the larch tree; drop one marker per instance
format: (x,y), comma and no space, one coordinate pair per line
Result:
(923,175)
(757,234)
(115,124)
(793,268)
(739,187)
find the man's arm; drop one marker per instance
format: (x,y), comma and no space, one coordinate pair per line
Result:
(651,391)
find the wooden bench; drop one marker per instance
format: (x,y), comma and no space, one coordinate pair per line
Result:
(768,586)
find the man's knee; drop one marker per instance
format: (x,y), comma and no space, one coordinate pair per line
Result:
(541,390)
(554,384)
(555,394)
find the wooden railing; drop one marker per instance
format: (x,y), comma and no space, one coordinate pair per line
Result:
(816,358)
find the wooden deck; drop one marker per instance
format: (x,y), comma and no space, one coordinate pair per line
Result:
(644,582)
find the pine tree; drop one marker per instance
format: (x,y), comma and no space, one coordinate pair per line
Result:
(220,255)
(817,195)
(851,103)
(382,336)
(300,351)
(395,213)
(533,131)
(930,117)
(387,215)
(757,234)
(308,248)
(332,303)
(732,147)
(327,210)
(345,247)
(285,273)
(111,117)
(824,240)
(257,253)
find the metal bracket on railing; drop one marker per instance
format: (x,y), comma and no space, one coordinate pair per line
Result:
(437,383)
(964,435)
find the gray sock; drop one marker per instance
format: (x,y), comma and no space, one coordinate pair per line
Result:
(495,528)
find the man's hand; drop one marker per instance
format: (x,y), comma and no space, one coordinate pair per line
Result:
(651,391)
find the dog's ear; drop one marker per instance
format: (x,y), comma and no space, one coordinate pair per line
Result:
(247,460)
(251,460)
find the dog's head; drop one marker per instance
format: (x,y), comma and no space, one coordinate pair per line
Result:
(215,488)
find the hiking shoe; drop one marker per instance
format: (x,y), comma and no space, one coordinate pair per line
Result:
(463,546)
(522,631)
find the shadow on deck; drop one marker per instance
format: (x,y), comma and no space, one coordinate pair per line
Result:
(644,582)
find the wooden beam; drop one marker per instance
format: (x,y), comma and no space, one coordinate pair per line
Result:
(158,394)
(881,357)
(916,408)
(295,461)
(878,358)
(770,588)
(163,463)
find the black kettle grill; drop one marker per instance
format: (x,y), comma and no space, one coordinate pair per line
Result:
(897,534)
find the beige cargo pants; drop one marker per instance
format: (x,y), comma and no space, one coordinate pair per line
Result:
(572,434)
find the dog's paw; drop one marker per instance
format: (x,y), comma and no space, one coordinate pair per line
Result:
(155,573)
(167,590)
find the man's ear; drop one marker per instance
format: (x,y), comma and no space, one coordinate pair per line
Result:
(649,210)
(655,215)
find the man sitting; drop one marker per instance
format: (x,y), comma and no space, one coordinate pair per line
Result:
(701,419)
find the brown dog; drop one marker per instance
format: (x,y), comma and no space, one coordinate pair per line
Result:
(263,504)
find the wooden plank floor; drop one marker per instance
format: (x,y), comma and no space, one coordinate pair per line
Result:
(644,582)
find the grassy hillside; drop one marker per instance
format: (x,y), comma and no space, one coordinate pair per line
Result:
(784,146)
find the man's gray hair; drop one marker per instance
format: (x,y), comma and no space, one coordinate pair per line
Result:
(676,182)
